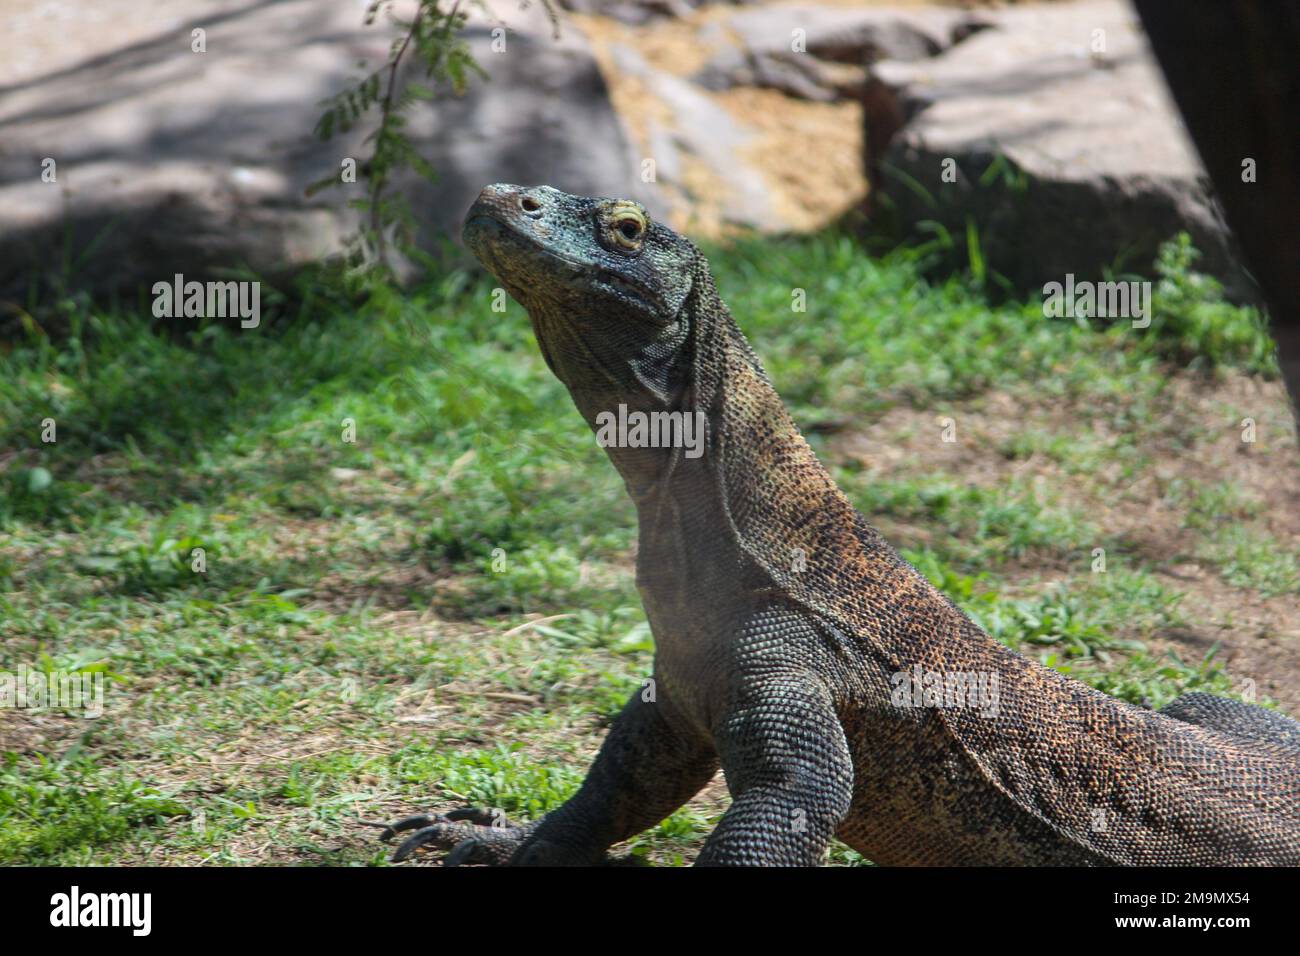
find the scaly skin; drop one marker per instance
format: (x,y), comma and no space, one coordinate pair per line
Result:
(782,622)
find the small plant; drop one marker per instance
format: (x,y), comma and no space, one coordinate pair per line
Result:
(34,494)
(154,566)
(432,37)
(1193,324)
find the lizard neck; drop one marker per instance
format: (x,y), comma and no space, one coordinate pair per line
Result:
(781,504)
(647,438)
(750,490)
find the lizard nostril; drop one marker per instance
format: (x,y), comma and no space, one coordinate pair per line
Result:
(529,204)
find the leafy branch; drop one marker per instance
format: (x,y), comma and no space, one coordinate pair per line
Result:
(433,41)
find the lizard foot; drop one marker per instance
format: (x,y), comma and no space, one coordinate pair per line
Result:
(472,834)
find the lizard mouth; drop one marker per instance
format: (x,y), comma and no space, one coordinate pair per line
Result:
(620,287)
(482,234)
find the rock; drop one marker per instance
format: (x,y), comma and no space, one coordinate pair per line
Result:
(637,12)
(796,48)
(708,134)
(1068,159)
(169,160)
(853,34)
(663,149)
(799,75)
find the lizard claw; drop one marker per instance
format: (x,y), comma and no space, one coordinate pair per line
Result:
(392,829)
(477,815)
(472,834)
(430,834)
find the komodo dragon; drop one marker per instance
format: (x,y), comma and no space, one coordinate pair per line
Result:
(785,625)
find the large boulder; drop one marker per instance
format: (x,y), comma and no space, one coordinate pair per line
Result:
(170,160)
(1062,144)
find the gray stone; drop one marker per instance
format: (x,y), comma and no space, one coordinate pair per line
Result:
(636,12)
(1091,165)
(853,34)
(801,76)
(711,135)
(174,161)
(664,151)
(795,48)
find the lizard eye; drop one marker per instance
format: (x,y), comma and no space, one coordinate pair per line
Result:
(629,228)
(627,225)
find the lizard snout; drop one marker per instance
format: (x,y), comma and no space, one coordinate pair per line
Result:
(500,209)
(507,201)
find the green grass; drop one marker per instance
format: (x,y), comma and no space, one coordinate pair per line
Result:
(352,647)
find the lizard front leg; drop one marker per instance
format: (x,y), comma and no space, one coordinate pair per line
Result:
(790,775)
(644,771)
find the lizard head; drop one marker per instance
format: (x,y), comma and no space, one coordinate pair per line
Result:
(605,286)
